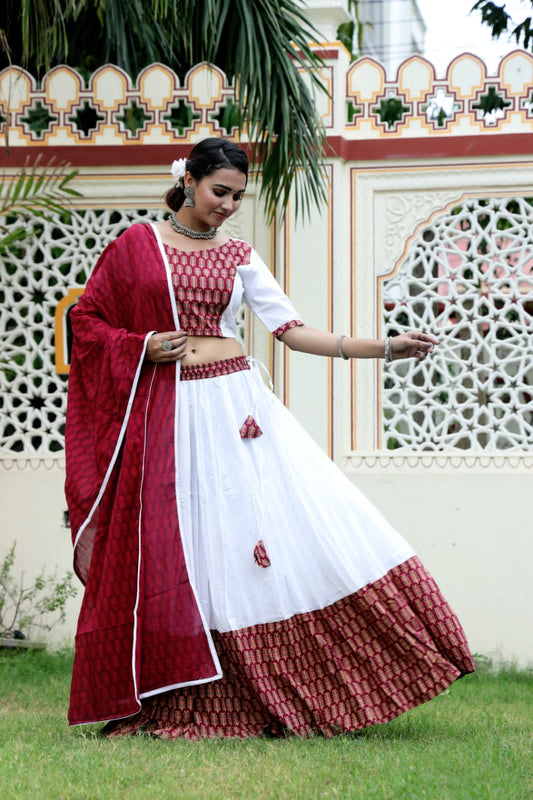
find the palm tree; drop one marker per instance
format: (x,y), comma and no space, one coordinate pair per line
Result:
(262,47)
(500,22)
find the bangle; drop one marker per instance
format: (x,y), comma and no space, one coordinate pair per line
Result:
(388,350)
(339,345)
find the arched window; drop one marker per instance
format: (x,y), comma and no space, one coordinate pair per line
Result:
(467,279)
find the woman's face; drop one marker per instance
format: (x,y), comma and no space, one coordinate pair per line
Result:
(216,197)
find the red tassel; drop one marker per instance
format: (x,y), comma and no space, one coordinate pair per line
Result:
(250,429)
(261,555)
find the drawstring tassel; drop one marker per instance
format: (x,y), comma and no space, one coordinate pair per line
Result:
(250,429)
(260,554)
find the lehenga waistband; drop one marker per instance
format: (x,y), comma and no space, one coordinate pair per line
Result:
(195,372)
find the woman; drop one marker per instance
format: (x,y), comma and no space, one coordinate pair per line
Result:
(236,582)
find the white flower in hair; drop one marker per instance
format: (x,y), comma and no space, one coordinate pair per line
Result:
(178,170)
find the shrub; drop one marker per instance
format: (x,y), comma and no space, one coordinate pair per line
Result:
(39,604)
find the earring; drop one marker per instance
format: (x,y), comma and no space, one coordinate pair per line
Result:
(189,197)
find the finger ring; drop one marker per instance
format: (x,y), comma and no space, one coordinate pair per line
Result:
(166,346)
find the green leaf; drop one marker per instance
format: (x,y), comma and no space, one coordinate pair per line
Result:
(38,191)
(18,187)
(13,236)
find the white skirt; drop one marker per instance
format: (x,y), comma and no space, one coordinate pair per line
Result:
(322,617)
(270,526)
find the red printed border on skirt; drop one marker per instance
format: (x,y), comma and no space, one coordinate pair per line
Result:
(362,661)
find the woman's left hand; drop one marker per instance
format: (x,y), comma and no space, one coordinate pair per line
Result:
(413,344)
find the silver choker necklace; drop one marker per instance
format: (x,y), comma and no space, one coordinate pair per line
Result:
(190,232)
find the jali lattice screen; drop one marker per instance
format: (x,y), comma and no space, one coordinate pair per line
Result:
(35,278)
(468,279)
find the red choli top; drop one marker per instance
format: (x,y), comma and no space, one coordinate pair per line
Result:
(210,283)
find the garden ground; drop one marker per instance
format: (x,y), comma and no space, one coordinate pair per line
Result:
(473,742)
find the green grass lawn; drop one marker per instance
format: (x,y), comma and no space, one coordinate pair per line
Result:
(474,741)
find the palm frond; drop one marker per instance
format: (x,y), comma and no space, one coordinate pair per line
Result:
(124,22)
(269,57)
(37,191)
(43,28)
(262,46)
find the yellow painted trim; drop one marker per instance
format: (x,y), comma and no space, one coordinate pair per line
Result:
(330,310)
(61,365)
(353,328)
(275,244)
(286,281)
(334,45)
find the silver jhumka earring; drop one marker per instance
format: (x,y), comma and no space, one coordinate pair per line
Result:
(189,197)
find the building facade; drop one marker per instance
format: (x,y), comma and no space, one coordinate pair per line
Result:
(392,30)
(429,223)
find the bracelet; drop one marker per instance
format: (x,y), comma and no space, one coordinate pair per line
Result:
(339,345)
(388,350)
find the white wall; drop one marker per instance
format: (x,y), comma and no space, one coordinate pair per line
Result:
(468,516)
(33,506)
(472,529)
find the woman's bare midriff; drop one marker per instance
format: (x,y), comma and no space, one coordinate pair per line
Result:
(205,349)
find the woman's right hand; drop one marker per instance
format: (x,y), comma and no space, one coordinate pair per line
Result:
(158,355)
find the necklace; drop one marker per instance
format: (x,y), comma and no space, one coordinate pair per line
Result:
(190,232)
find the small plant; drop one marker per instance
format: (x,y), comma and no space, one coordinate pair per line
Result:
(40,604)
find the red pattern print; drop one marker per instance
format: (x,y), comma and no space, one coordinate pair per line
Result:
(362,661)
(294,323)
(250,429)
(260,554)
(203,281)
(139,626)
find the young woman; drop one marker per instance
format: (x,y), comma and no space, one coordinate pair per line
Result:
(237,583)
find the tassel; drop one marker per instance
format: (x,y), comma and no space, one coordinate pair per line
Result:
(260,554)
(250,429)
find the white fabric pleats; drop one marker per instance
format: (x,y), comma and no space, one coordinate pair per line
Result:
(323,538)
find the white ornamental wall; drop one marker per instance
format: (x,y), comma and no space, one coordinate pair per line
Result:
(34,511)
(466,511)
(453,505)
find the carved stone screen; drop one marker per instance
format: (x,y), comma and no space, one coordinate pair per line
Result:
(467,279)
(36,277)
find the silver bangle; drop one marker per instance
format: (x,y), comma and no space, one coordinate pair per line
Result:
(339,346)
(388,350)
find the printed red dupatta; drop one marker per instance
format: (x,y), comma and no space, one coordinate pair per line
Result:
(140,630)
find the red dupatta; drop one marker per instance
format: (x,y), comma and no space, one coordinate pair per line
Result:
(140,630)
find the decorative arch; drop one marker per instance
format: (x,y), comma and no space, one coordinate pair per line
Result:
(467,278)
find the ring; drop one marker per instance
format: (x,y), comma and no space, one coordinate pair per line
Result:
(166,346)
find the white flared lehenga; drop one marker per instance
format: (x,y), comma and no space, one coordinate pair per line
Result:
(236,581)
(323,618)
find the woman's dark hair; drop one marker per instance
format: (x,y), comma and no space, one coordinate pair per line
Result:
(206,157)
